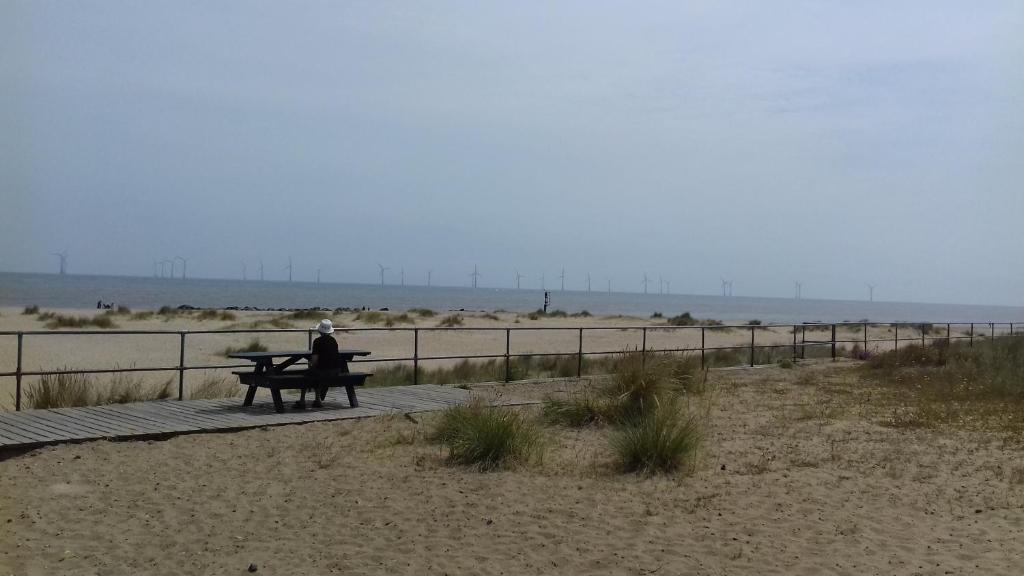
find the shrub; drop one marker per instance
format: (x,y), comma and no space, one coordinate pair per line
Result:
(657,315)
(490,316)
(582,314)
(30,310)
(254,345)
(402,318)
(660,440)
(488,438)
(754,322)
(423,312)
(311,314)
(451,321)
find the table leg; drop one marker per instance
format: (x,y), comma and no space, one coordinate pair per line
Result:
(278,403)
(249,395)
(351,390)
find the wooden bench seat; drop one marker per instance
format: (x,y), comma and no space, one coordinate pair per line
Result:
(301,380)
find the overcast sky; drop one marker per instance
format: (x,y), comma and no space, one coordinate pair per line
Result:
(834,142)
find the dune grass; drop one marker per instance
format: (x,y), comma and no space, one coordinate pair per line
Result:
(661,440)
(55,321)
(219,315)
(451,321)
(254,345)
(422,312)
(30,310)
(487,438)
(943,383)
(213,386)
(72,390)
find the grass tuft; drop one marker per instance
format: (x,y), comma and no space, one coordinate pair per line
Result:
(451,321)
(254,345)
(30,310)
(660,441)
(488,438)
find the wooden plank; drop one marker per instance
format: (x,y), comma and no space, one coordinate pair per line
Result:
(28,436)
(14,438)
(66,429)
(93,420)
(29,424)
(170,410)
(73,421)
(100,420)
(146,425)
(434,396)
(162,419)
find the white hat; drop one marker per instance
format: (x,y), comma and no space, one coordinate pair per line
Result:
(325,327)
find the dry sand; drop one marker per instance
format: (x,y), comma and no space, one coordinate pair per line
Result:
(54,352)
(798,476)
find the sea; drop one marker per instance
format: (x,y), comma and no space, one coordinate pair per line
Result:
(84,291)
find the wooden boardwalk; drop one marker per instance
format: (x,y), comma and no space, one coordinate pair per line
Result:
(30,428)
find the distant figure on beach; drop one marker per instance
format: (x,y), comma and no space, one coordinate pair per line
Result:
(99,304)
(325,353)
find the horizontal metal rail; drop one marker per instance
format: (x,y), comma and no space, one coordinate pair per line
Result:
(798,347)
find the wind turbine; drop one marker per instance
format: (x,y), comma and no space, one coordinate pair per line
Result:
(799,288)
(475,275)
(542,285)
(317,276)
(403,275)
(289,268)
(429,274)
(382,269)
(726,287)
(63,255)
(609,285)
(518,278)
(261,270)
(588,282)
(645,282)
(562,277)
(668,286)
(184,265)
(661,285)
(243,271)
(871,292)
(172,263)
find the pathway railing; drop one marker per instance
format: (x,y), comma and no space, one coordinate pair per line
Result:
(799,345)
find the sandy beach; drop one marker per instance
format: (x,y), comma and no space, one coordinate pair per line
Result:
(794,478)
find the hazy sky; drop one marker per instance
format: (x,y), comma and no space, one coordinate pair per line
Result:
(835,142)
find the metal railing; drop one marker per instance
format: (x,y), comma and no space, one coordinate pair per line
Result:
(800,344)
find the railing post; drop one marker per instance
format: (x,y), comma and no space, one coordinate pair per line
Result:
(949,333)
(972,335)
(17,374)
(579,357)
(896,342)
(922,336)
(751,346)
(508,361)
(415,356)
(701,347)
(833,342)
(309,339)
(803,342)
(992,326)
(795,353)
(643,349)
(1011,328)
(181,367)
(865,340)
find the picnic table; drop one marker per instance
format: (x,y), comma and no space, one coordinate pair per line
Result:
(275,375)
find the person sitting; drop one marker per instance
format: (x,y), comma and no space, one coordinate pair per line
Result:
(324,358)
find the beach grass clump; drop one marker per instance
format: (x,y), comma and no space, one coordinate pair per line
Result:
(688,319)
(660,440)
(30,310)
(55,321)
(578,410)
(143,315)
(254,345)
(489,316)
(60,391)
(422,312)
(451,321)
(213,387)
(395,319)
(371,317)
(487,438)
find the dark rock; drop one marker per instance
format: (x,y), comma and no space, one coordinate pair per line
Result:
(252,568)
